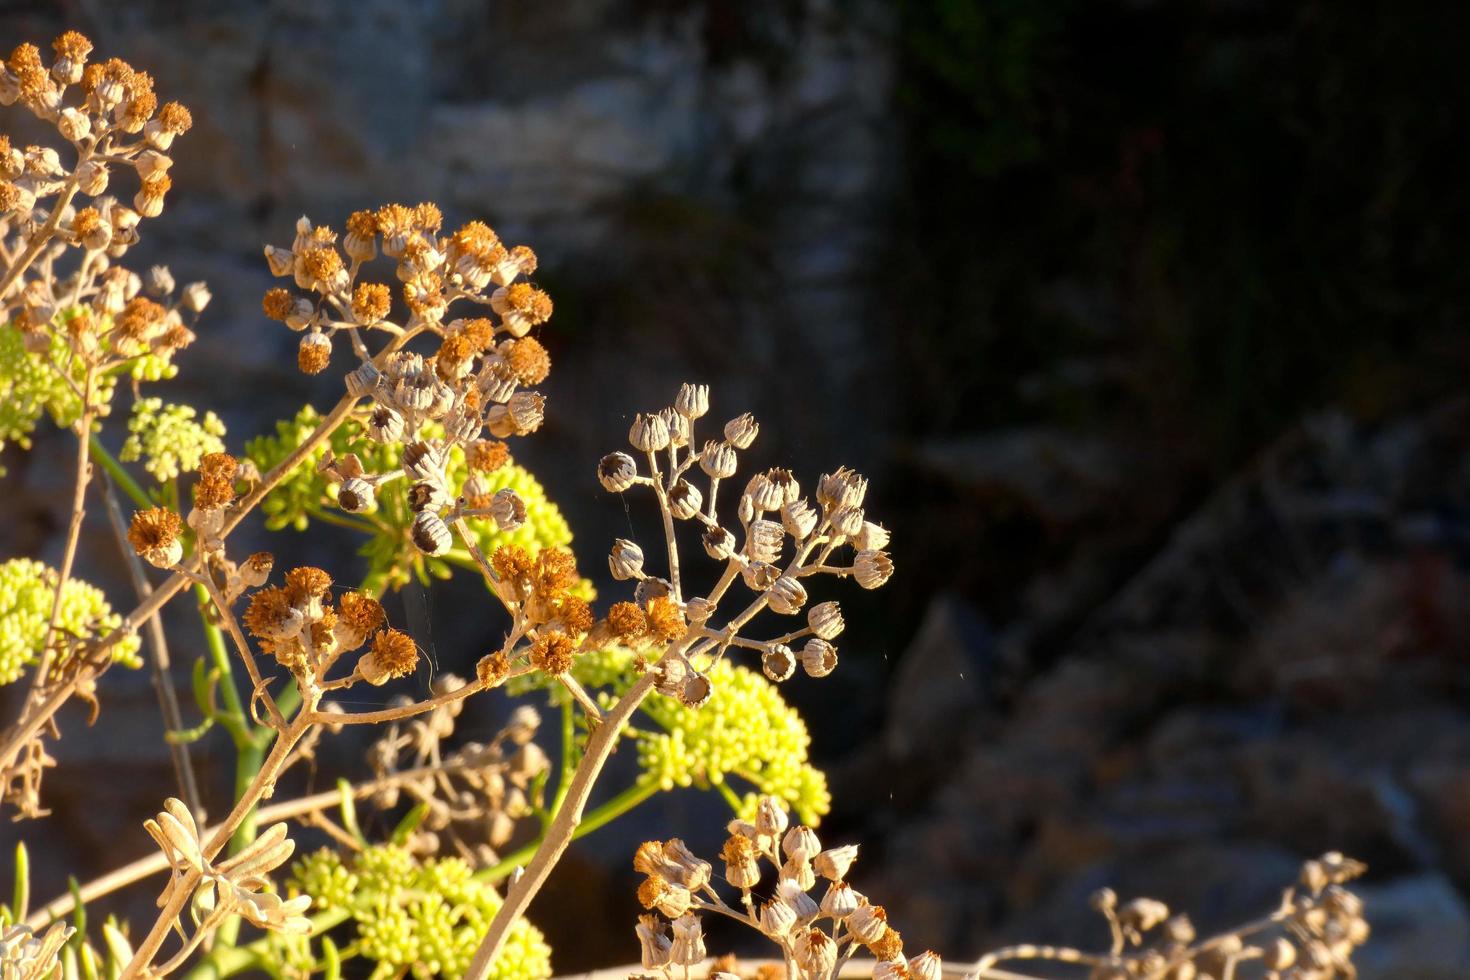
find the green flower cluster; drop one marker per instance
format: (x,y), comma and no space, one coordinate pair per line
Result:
(306,494)
(31,384)
(746,730)
(26,591)
(169,438)
(427,916)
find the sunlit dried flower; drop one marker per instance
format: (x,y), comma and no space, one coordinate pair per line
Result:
(649,433)
(393,654)
(154,535)
(552,653)
(872,568)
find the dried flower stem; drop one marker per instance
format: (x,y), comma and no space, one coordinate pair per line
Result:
(182,888)
(81,477)
(563,825)
(42,238)
(285,810)
(173,718)
(257,683)
(34,718)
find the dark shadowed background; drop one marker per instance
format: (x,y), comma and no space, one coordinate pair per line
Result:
(1146,320)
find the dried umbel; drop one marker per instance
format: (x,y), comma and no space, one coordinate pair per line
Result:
(1311,935)
(424,406)
(817,933)
(774,557)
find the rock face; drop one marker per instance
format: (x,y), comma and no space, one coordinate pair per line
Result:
(1213,722)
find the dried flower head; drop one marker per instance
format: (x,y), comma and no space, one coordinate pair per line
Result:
(154,535)
(393,654)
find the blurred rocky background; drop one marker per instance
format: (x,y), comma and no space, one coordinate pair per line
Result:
(1146,319)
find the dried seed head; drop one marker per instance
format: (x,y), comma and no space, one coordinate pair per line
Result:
(669,675)
(492,670)
(800,843)
(616,472)
(272,616)
(684,500)
(356,496)
(358,615)
(777,919)
(719,543)
(770,817)
(508,510)
(625,561)
(1280,954)
(665,619)
(763,540)
(430,534)
(626,621)
(211,494)
(422,496)
(872,568)
(688,948)
(393,654)
(825,620)
(371,302)
(759,576)
(840,901)
(787,596)
(926,966)
(692,402)
(314,354)
(1143,914)
(799,519)
(718,460)
(385,425)
(527,411)
(873,537)
(649,433)
(778,662)
(154,535)
(552,652)
(422,461)
(834,863)
(794,895)
(740,432)
(699,609)
(696,690)
(256,569)
(742,866)
(814,952)
(868,924)
(818,657)
(655,948)
(848,521)
(845,487)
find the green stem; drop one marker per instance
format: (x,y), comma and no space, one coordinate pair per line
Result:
(729,795)
(596,819)
(352,524)
(119,475)
(234,719)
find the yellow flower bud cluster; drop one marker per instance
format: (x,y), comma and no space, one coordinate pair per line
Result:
(746,730)
(423,916)
(26,591)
